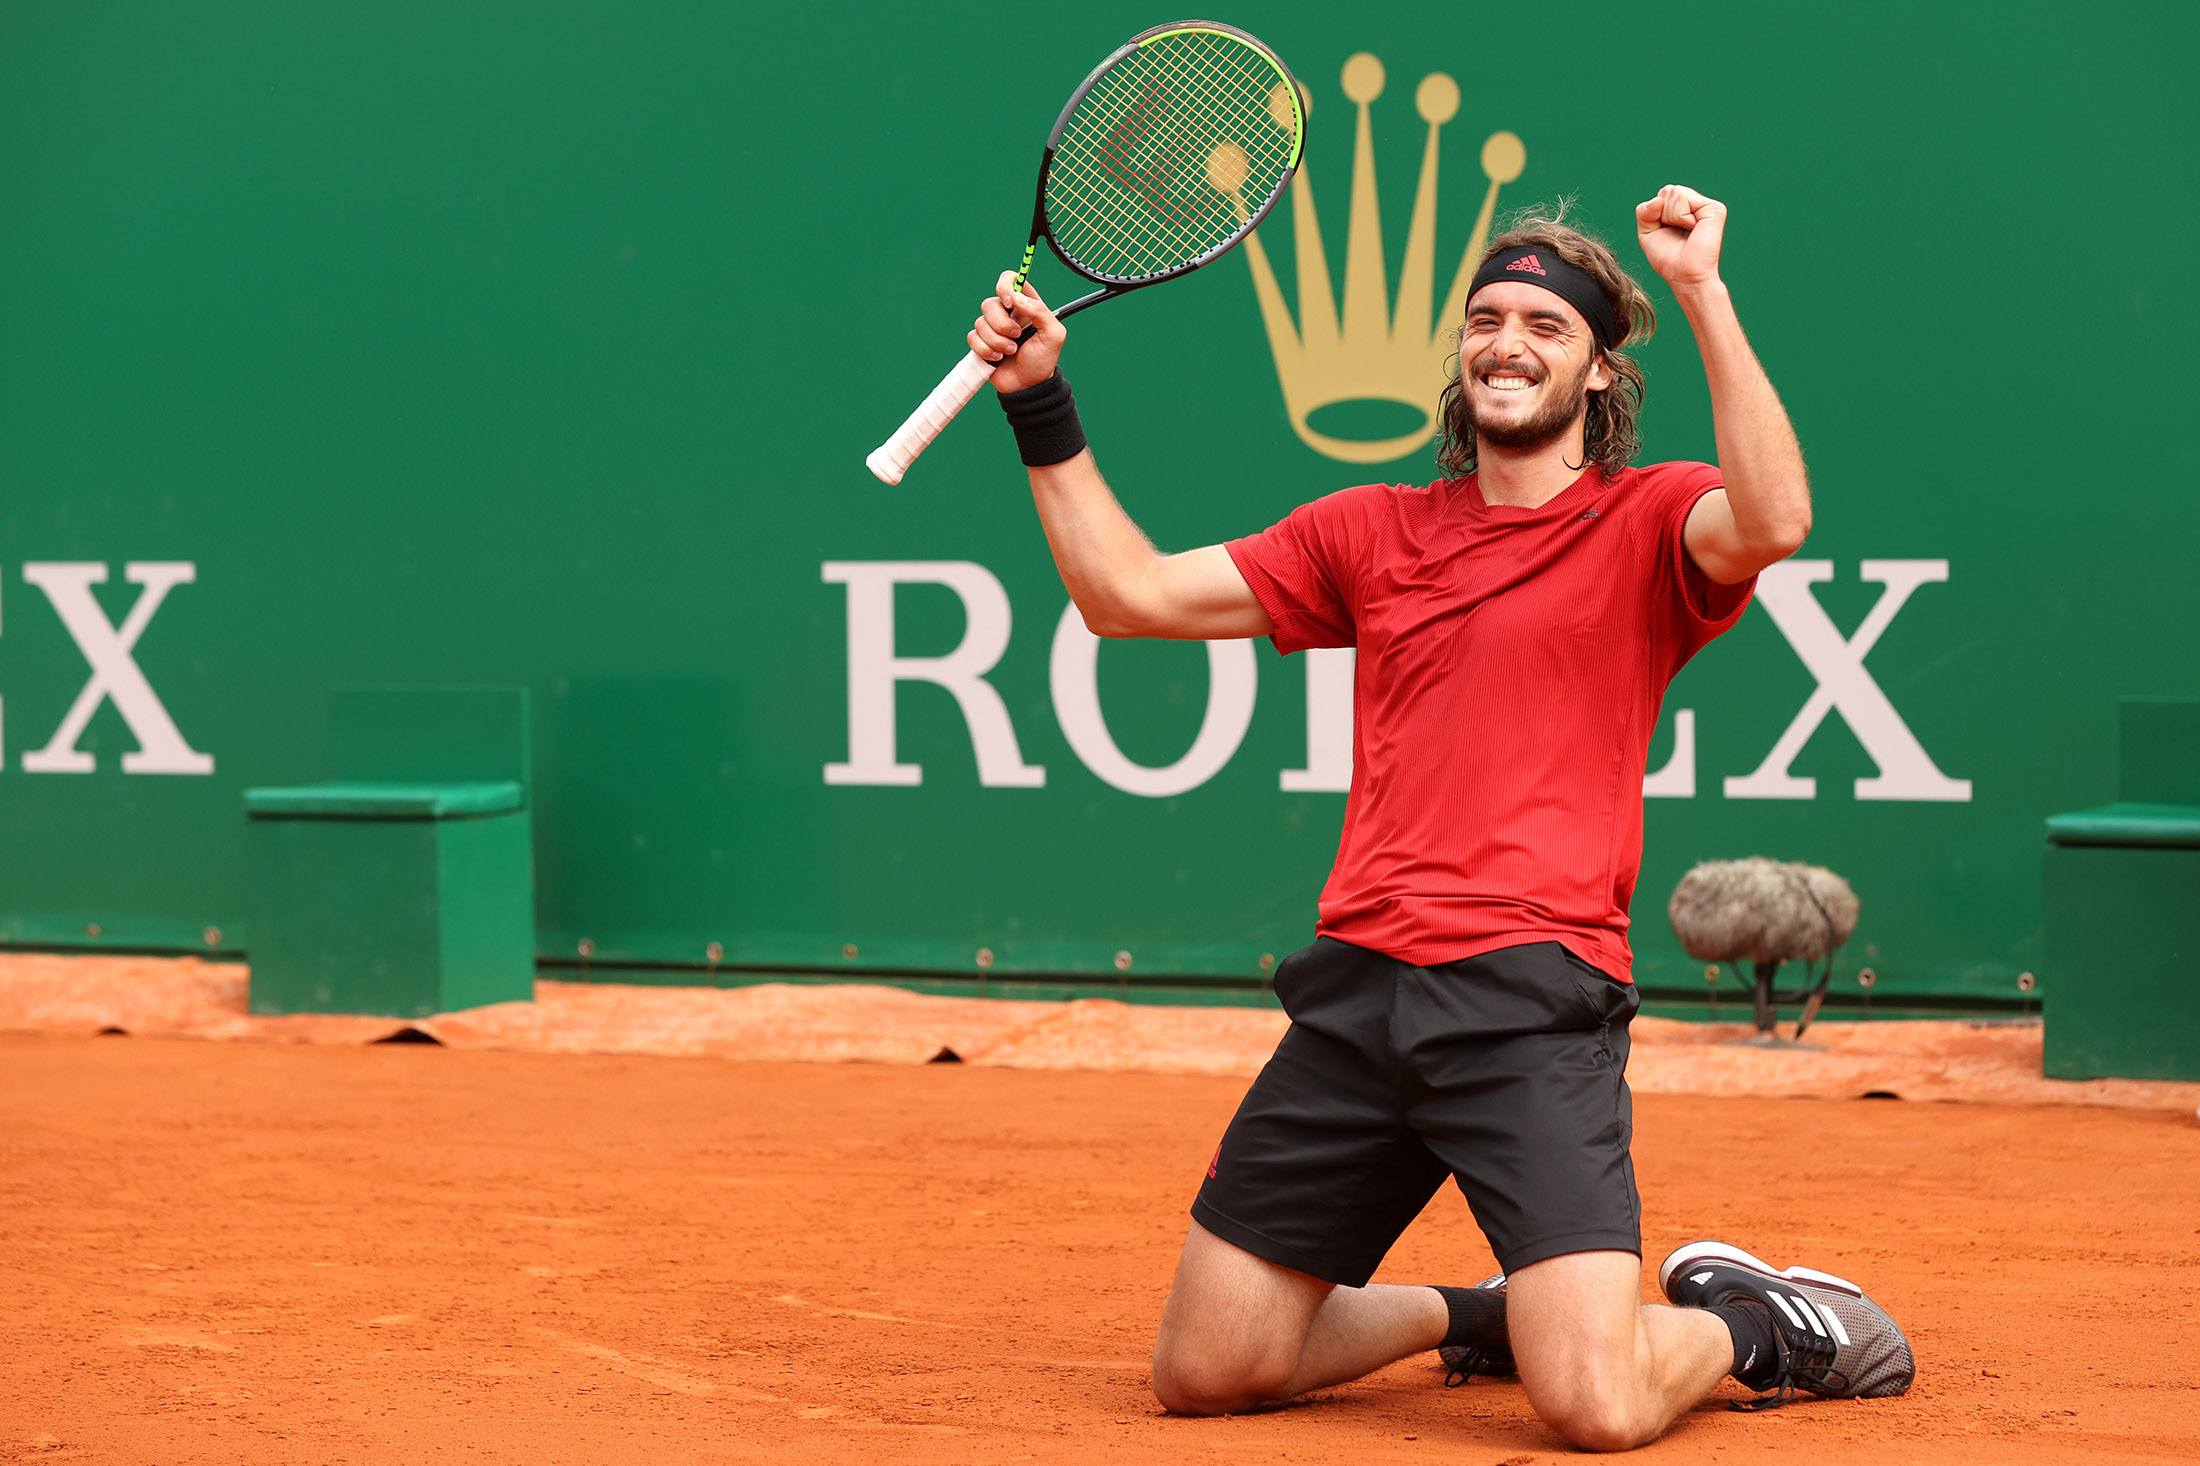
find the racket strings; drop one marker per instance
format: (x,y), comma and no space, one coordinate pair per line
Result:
(1093,218)
(1180,156)
(1184,157)
(1132,189)
(1118,152)
(1214,92)
(1233,86)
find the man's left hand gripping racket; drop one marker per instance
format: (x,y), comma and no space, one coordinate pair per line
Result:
(1170,153)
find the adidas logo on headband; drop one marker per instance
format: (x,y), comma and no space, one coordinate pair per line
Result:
(1530,264)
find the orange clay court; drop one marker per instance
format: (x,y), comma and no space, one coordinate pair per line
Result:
(336,1251)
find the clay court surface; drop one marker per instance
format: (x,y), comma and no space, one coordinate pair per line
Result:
(234,1252)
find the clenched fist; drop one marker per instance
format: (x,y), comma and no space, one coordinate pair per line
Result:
(1681,231)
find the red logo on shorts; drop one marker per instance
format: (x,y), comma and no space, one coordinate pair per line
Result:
(1530,264)
(1213,1164)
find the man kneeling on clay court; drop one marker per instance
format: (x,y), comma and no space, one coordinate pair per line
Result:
(1464,1008)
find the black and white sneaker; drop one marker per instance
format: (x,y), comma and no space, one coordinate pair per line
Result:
(1463,1362)
(1830,1339)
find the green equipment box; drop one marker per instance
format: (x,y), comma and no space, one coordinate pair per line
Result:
(405,886)
(2122,891)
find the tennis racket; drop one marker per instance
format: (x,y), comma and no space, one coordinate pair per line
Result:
(1168,154)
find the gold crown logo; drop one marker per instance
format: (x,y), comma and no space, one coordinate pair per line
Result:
(1378,353)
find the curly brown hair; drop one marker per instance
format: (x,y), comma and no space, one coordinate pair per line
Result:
(1613,432)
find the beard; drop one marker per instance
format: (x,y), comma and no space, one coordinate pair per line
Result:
(1561,409)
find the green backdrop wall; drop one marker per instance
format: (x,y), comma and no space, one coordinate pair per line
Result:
(477,341)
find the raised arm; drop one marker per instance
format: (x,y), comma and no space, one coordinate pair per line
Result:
(1120,582)
(1763,513)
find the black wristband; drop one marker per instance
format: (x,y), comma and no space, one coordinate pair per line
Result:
(1045,422)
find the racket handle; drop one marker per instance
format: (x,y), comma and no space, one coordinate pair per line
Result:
(891,459)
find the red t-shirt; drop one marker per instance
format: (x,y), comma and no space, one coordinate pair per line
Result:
(1511,663)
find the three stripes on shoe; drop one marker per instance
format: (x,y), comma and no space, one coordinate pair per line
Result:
(1800,1311)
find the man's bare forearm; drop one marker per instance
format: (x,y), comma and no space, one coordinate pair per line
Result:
(1767,487)
(1103,557)
(1122,585)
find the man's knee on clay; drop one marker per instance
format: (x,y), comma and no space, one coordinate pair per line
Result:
(1198,1372)
(1592,1398)
(1602,1425)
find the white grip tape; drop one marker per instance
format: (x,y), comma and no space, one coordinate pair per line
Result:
(892,458)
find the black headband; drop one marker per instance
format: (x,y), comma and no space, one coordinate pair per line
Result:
(1542,267)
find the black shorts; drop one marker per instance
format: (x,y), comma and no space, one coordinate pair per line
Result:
(1505,1071)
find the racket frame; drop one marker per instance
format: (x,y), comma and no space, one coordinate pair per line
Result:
(1114,285)
(892,458)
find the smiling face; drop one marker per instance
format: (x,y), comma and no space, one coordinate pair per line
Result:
(1527,364)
